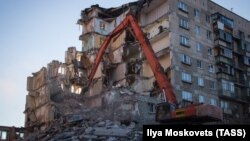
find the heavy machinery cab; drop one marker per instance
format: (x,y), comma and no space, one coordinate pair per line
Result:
(191,114)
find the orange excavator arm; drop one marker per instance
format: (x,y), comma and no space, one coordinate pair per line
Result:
(157,69)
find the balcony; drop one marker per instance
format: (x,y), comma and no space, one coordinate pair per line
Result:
(227,111)
(238,50)
(224,36)
(232,96)
(227,22)
(228,94)
(225,76)
(239,66)
(222,59)
(240,82)
(219,43)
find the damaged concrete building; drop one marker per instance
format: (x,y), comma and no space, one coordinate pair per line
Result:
(203,48)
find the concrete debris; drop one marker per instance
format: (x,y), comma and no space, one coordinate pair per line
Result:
(87,130)
(115,120)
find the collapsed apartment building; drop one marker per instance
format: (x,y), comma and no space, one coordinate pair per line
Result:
(203,48)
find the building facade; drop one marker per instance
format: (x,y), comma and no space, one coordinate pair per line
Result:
(203,48)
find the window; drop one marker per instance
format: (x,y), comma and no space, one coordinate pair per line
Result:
(61,70)
(212,85)
(186,77)
(3,135)
(208,18)
(199,64)
(200,81)
(224,105)
(211,68)
(209,35)
(198,47)
(213,102)
(102,25)
(246,60)
(185,59)
(186,96)
(228,86)
(183,23)
(227,53)
(20,135)
(196,13)
(197,30)
(184,41)
(183,7)
(210,52)
(151,107)
(201,99)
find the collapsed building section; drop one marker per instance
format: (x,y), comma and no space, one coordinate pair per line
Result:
(11,133)
(124,85)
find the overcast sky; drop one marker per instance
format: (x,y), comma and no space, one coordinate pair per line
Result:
(35,32)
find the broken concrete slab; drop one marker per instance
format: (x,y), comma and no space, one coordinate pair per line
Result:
(116,132)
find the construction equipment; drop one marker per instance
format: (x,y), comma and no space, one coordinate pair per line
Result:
(167,111)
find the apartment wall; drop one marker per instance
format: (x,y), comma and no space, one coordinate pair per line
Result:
(11,133)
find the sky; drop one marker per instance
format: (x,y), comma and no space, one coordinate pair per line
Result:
(35,32)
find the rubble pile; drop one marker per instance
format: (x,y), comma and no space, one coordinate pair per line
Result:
(77,128)
(115,120)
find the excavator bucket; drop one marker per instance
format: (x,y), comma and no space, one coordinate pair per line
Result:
(193,114)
